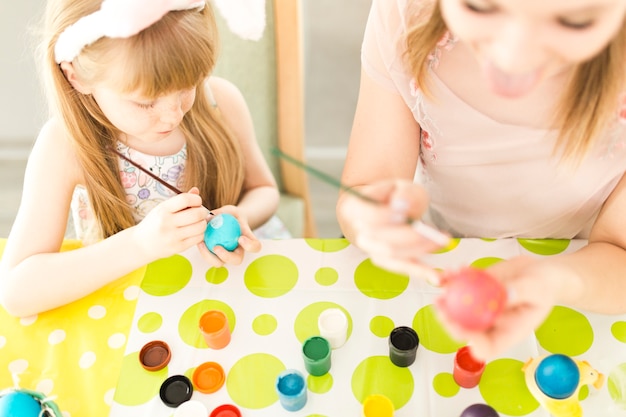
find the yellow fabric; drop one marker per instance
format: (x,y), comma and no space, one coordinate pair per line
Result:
(73,352)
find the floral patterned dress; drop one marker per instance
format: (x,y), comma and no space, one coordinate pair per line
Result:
(143,192)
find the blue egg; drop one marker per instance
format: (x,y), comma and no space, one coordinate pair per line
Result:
(19,404)
(479,410)
(223,230)
(557,376)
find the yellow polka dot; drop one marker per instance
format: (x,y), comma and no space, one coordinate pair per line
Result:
(27,321)
(45,386)
(117,340)
(56,336)
(108,397)
(87,360)
(18,366)
(97,312)
(132,293)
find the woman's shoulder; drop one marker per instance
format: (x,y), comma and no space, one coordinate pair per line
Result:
(401,14)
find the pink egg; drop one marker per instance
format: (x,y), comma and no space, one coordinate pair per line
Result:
(472,298)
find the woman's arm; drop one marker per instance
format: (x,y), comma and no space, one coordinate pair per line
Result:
(260,196)
(35,276)
(595,277)
(382,158)
(591,279)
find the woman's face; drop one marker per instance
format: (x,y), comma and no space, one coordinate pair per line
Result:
(520,42)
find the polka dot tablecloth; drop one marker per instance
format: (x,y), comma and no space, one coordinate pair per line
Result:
(273,301)
(74,353)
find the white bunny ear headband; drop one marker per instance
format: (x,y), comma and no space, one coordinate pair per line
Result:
(116,19)
(245,18)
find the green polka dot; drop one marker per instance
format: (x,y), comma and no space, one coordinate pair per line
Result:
(484,263)
(544,246)
(138,386)
(167,276)
(451,245)
(305,324)
(616,384)
(618,329)
(431,332)
(381,326)
(328,245)
(320,384)
(378,375)
(188,326)
(378,283)
(503,386)
(565,331)
(216,275)
(264,324)
(250,382)
(583,392)
(445,385)
(326,276)
(150,322)
(271,276)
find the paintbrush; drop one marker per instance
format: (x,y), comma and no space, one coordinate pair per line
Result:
(152,175)
(422,228)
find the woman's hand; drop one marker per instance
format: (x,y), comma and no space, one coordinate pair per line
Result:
(385,232)
(173,226)
(533,289)
(247,242)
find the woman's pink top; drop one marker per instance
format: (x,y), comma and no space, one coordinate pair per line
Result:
(486,178)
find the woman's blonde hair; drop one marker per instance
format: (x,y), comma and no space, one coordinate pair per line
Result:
(588,105)
(177,52)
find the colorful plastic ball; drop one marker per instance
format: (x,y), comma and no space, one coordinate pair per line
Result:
(19,404)
(224,230)
(557,376)
(473,298)
(479,410)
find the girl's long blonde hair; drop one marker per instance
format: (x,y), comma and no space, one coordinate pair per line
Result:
(177,52)
(589,104)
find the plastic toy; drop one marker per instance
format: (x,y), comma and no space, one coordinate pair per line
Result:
(555,381)
(15,402)
(224,230)
(473,298)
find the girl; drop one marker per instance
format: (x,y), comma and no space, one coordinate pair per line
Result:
(131,93)
(515,113)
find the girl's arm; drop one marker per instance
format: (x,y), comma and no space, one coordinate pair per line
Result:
(260,196)
(35,276)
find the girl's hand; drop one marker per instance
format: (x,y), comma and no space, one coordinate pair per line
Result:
(384,231)
(173,226)
(532,292)
(247,242)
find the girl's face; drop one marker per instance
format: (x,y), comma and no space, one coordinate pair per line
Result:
(520,42)
(141,119)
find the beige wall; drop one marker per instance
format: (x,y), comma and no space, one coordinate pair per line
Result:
(333,32)
(21,102)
